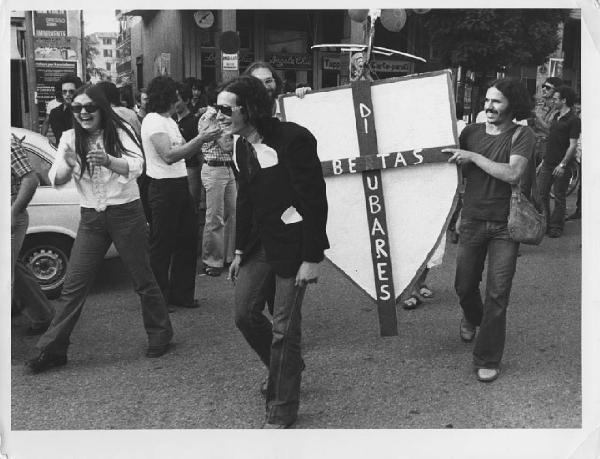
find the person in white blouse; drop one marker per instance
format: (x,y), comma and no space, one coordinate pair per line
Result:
(103,157)
(173,219)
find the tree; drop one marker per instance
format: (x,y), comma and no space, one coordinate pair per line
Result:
(91,52)
(486,40)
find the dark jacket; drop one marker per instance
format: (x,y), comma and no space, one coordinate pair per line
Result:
(297,180)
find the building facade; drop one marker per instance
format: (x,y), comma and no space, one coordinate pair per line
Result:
(188,43)
(45,45)
(104,62)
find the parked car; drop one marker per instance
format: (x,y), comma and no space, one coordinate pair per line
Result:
(53,218)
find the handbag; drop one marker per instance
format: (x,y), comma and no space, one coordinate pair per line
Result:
(526,219)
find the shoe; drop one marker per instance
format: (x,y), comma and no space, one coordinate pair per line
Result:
(193,305)
(411,302)
(554,233)
(425,292)
(157,351)
(487,374)
(288,425)
(574,216)
(45,361)
(467,330)
(212,271)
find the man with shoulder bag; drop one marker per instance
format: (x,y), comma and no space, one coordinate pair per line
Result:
(494,157)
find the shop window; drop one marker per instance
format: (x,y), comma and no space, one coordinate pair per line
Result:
(393,40)
(287,20)
(244,20)
(332,25)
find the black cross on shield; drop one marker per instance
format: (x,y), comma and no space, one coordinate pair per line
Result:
(389,251)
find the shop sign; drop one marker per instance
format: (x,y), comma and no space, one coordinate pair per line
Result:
(55,48)
(50,23)
(47,74)
(378,66)
(208,58)
(55,42)
(229,61)
(290,61)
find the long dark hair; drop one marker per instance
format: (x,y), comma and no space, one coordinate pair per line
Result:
(254,98)
(110,123)
(264,65)
(519,100)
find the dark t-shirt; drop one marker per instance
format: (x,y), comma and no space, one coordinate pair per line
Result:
(188,126)
(61,120)
(486,197)
(561,130)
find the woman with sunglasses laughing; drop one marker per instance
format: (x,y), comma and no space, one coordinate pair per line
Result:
(103,157)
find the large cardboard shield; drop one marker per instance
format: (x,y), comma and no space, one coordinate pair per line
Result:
(390,189)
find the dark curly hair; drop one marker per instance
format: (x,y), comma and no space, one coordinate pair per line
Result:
(252,95)
(519,100)
(70,78)
(110,124)
(110,91)
(162,93)
(264,65)
(185,91)
(566,92)
(554,81)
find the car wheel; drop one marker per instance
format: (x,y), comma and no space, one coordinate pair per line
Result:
(47,256)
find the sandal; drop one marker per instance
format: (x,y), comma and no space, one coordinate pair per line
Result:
(411,303)
(425,292)
(212,271)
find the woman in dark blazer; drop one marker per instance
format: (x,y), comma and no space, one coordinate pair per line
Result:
(282,196)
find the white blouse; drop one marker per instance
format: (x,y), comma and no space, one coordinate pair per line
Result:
(156,167)
(105,187)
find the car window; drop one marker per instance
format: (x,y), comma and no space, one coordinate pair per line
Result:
(40,165)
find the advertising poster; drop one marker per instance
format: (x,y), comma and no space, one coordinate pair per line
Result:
(50,23)
(47,73)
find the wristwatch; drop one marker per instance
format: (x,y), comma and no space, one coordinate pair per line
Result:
(563,165)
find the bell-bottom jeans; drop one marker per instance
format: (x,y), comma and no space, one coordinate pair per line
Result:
(277,344)
(556,219)
(218,240)
(480,239)
(126,226)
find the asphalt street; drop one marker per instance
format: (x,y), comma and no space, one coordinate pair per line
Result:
(422,378)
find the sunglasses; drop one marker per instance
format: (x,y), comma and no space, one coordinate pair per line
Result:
(548,87)
(225,110)
(90,108)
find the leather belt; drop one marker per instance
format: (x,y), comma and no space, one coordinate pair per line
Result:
(216,163)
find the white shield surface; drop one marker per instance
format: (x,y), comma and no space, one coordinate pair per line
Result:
(410,113)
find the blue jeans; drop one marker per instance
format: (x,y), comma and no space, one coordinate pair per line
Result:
(277,344)
(218,240)
(556,219)
(126,226)
(480,239)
